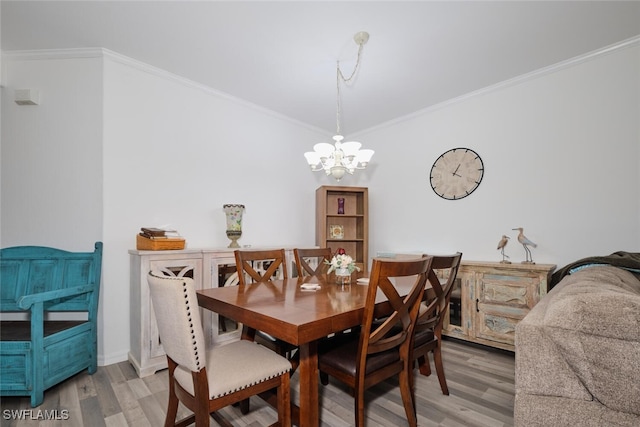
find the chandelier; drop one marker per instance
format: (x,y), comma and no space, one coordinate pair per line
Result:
(340,158)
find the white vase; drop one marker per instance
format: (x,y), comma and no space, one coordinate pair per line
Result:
(234,223)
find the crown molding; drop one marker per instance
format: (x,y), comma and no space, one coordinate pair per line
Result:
(125,60)
(631,42)
(44,54)
(80,53)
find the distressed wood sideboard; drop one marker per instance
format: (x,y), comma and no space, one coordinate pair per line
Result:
(493,297)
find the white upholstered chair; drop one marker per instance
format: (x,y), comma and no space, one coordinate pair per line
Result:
(208,379)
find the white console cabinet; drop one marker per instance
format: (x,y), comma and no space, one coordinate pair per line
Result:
(208,268)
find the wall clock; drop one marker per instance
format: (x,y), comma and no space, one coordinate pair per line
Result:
(456,173)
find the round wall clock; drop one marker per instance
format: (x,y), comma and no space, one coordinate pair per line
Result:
(456,173)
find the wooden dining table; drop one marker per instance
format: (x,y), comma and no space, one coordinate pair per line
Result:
(283,309)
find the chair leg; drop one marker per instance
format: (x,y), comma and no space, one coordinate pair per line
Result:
(172,410)
(172,405)
(423,365)
(407,396)
(324,378)
(244,406)
(284,402)
(358,399)
(437,360)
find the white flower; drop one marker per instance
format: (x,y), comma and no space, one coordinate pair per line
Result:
(342,261)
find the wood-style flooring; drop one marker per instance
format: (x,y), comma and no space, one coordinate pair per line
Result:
(480,379)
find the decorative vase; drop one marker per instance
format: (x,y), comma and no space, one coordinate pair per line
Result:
(340,205)
(234,223)
(343,277)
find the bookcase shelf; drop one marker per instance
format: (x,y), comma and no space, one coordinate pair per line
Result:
(352,225)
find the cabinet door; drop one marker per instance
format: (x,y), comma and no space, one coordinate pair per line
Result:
(179,268)
(457,321)
(502,300)
(219,329)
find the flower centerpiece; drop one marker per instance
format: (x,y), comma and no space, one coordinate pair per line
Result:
(343,265)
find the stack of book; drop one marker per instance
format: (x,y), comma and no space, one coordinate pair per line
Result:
(155,239)
(158,233)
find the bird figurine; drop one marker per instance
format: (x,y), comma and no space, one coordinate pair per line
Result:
(525,243)
(501,245)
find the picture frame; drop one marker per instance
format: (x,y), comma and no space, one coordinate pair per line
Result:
(336,232)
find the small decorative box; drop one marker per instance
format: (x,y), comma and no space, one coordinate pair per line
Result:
(160,244)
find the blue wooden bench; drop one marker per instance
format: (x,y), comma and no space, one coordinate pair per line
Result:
(43,350)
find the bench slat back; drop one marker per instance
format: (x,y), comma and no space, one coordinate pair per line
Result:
(28,270)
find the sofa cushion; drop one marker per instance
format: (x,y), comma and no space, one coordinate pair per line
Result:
(594,322)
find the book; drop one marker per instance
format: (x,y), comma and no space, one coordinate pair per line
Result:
(152,231)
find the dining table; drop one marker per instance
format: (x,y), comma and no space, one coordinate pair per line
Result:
(300,311)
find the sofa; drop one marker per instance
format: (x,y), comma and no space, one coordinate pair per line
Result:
(577,351)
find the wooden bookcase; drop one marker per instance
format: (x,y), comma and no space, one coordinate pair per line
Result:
(348,230)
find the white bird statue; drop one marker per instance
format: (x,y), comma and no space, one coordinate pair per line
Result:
(501,245)
(526,243)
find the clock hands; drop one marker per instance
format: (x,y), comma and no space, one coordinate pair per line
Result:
(455,171)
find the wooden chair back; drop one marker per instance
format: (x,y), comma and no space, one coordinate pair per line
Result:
(387,335)
(311,262)
(427,335)
(384,345)
(260,265)
(436,299)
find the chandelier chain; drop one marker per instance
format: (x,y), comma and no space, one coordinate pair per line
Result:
(340,76)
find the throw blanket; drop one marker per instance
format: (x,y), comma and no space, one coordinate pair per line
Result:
(626,260)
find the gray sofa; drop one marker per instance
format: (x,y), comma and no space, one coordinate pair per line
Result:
(578,352)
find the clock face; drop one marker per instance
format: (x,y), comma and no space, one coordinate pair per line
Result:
(456,173)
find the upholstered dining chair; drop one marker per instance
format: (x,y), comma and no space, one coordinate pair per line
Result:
(382,350)
(208,379)
(311,262)
(428,330)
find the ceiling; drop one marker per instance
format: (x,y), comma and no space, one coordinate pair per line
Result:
(281,55)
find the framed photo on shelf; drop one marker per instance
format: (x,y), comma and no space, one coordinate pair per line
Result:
(336,232)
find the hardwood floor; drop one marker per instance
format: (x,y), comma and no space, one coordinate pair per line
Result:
(480,379)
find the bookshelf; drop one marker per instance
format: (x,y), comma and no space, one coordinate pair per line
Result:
(348,230)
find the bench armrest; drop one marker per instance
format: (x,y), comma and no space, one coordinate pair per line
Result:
(25,302)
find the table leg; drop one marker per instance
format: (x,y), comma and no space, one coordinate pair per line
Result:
(308,371)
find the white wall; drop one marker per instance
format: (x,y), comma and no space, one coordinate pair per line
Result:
(52,153)
(116,145)
(174,153)
(561,151)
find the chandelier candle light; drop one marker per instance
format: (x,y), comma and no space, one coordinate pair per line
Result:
(234,223)
(341,157)
(343,265)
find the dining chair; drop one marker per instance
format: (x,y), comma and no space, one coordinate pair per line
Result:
(208,379)
(257,266)
(311,262)
(260,265)
(428,330)
(382,350)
